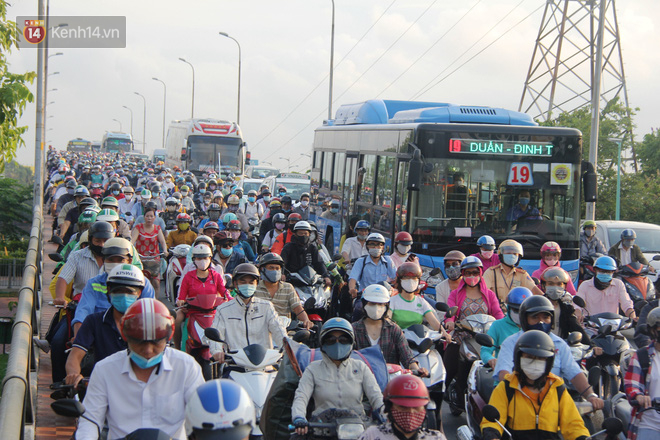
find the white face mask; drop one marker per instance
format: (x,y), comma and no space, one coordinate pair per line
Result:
(375,311)
(203,263)
(515,317)
(403,250)
(409,285)
(304,203)
(533,368)
(487,254)
(109,266)
(128,197)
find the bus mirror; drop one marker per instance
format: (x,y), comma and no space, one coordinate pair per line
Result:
(590,182)
(248,156)
(415,171)
(184,154)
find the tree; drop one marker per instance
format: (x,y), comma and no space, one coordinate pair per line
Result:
(15,209)
(14,92)
(648,152)
(21,173)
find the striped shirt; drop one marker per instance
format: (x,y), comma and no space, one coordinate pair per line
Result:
(285,299)
(80,267)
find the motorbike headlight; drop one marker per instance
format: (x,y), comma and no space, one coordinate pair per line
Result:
(349,431)
(431,281)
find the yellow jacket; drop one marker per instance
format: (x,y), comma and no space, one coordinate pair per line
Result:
(524,421)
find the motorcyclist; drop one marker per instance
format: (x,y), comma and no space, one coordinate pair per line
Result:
(126,204)
(553,282)
(590,245)
(186,200)
(252,209)
(355,247)
(274,207)
(337,381)
(233,202)
(532,401)
(487,253)
(287,235)
(300,252)
(505,327)
(183,234)
(506,275)
(333,212)
(170,213)
(242,245)
(626,251)
(225,253)
(245,319)
(279,222)
(406,398)
(550,256)
(213,215)
(452,263)
(402,244)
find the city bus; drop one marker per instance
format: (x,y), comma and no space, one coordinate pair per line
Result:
(449,174)
(115,142)
(79,145)
(203,145)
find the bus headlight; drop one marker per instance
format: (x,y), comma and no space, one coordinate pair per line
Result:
(431,281)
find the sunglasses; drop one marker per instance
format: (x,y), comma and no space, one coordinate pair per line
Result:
(471,273)
(453,264)
(332,340)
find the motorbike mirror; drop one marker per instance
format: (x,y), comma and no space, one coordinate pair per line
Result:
(213,334)
(484,340)
(594,377)
(536,281)
(574,338)
(228,279)
(68,407)
(613,426)
(301,336)
(656,257)
(434,272)
(605,330)
(490,413)
(332,266)
(643,329)
(441,307)
(337,257)
(57,240)
(579,301)
(55,257)
(451,312)
(310,303)
(425,345)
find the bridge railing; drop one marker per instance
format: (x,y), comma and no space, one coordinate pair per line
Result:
(18,402)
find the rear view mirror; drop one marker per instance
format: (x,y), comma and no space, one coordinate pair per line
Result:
(491,413)
(579,301)
(301,336)
(68,408)
(57,240)
(441,307)
(605,330)
(336,257)
(434,272)
(594,377)
(574,338)
(310,303)
(656,257)
(613,426)
(332,266)
(55,257)
(484,340)
(213,334)
(451,312)
(425,345)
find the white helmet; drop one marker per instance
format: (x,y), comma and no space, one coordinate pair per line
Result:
(181,250)
(201,251)
(220,408)
(375,236)
(376,293)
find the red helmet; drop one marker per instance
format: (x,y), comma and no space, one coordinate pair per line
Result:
(211,225)
(294,216)
(234,225)
(147,320)
(409,269)
(406,390)
(183,217)
(550,247)
(404,238)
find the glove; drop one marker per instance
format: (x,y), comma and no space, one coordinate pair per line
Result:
(300,422)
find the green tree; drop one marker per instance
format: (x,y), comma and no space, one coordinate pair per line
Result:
(16,210)
(21,173)
(648,152)
(14,92)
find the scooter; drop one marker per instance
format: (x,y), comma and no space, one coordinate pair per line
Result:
(254,368)
(174,273)
(253,234)
(310,285)
(200,311)
(622,409)
(340,425)
(638,285)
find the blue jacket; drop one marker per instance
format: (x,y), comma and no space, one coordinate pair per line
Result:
(499,331)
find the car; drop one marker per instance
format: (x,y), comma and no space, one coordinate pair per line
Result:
(295,183)
(648,238)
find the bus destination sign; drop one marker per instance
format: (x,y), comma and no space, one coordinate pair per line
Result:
(501,148)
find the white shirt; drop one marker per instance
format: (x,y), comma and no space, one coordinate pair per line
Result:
(651,419)
(354,248)
(116,395)
(625,257)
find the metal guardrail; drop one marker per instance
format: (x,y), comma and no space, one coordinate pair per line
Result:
(18,402)
(11,273)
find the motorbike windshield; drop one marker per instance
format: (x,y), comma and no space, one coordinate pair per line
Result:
(478,323)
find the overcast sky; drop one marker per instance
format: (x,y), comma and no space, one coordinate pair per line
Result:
(285,53)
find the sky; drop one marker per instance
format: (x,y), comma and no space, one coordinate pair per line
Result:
(474,52)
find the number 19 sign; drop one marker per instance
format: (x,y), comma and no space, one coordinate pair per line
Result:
(520,174)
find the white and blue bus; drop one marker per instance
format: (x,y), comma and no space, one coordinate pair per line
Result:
(449,174)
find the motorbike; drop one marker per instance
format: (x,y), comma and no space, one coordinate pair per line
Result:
(336,424)
(254,368)
(310,286)
(638,285)
(253,234)
(200,311)
(174,273)
(587,270)
(474,329)
(622,409)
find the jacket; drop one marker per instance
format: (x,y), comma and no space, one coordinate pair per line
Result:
(391,340)
(591,247)
(499,331)
(297,257)
(570,288)
(568,323)
(191,286)
(554,414)
(278,245)
(635,253)
(457,297)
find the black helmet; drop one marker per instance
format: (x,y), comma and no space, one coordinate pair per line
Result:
(286,199)
(213,207)
(71,184)
(87,201)
(534,305)
(245,269)
(270,258)
(115,187)
(535,343)
(101,230)
(151,205)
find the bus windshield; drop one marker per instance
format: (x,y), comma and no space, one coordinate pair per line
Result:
(262,173)
(114,145)
(294,189)
(216,153)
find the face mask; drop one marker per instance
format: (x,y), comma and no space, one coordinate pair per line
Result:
(337,351)
(266,198)
(375,311)
(545,328)
(272,276)
(246,290)
(305,203)
(128,197)
(202,191)
(184,193)
(226,252)
(515,317)
(109,266)
(375,252)
(362,237)
(145,363)
(589,232)
(282,194)
(312,237)
(628,243)
(510,259)
(453,272)
(279,226)
(334,210)
(554,292)
(403,250)
(214,215)
(487,254)
(171,208)
(524,201)
(116,193)
(409,285)
(96,249)
(604,278)
(211,187)
(232,208)
(183,226)
(203,263)
(533,368)
(551,261)
(300,239)
(122,301)
(471,281)
(408,421)
(252,199)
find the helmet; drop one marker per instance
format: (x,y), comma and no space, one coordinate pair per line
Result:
(275,204)
(535,343)
(252,192)
(409,270)
(184,188)
(589,223)
(628,234)
(117,246)
(245,270)
(404,238)
(286,199)
(294,216)
(213,182)
(375,236)
(145,194)
(229,217)
(605,263)
(107,215)
(183,217)
(510,245)
(279,218)
(270,258)
(87,201)
(84,238)
(516,297)
(406,390)
(150,206)
(220,408)
(171,201)
(128,190)
(81,191)
(470,262)
(201,251)
(202,185)
(71,184)
(147,320)
(534,305)
(220,237)
(486,242)
(238,189)
(233,200)
(125,275)
(376,293)
(302,226)
(101,229)
(334,324)
(211,225)
(556,274)
(115,187)
(305,194)
(550,247)
(652,322)
(362,224)
(203,239)
(455,256)
(87,216)
(233,225)
(214,207)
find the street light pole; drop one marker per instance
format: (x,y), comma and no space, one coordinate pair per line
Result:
(192,109)
(119,122)
(619,141)
(332,57)
(130,110)
(238,105)
(164,106)
(288,163)
(144,123)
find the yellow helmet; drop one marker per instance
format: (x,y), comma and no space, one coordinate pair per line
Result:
(510,245)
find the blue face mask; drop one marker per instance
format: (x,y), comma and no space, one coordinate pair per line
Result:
(545,328)
(334,210)
(115,193)
(524,201)
(266,198)
(337,351)
(604,277)
(272,276)
(246,290)
(252,199)
(226,252)
(510,259)
(122,301)
(145,363)
(202,191)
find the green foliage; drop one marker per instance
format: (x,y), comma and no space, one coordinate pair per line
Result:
(16,248)
(14,92)
(648,152)
(15,209)
(21,173)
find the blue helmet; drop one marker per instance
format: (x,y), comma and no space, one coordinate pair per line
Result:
(605,263)
(628,234)
(471,261)
(486,242)
(516,296)
(362,224)
(333,324)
